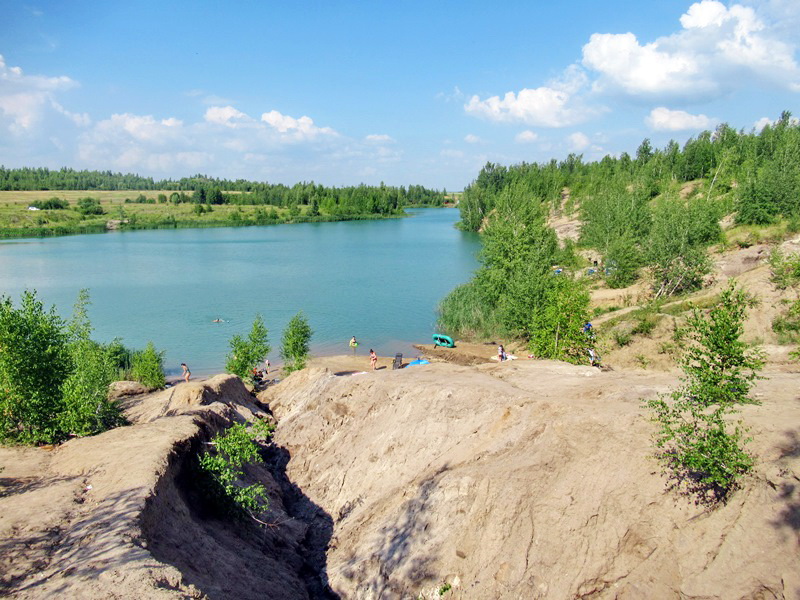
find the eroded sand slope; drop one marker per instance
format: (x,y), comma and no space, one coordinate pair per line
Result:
(531,480)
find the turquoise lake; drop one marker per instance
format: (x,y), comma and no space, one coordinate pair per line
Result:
(378,280)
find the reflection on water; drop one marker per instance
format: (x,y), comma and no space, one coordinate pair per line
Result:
(377,280)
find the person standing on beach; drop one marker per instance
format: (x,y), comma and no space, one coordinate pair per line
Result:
(353,344)
(186,372)
(373,359)
(266,366)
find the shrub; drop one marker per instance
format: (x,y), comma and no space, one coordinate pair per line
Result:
(147,367)
(645,325)
(224,467)
(622,337)
(87,409)
(51,204)
(34,362)
(719,370)
(294,346)
(90,206)
(246,353)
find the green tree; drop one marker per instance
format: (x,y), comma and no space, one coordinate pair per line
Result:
(695,436)
(295,343)
(87,409)
(34,362)
(147,367)
(557,329)
(247,352)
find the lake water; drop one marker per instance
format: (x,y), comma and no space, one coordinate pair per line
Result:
(378,280)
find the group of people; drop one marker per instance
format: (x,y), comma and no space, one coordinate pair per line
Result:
(260,375)
(373,358)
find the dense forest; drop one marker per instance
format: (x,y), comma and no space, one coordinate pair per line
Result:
(201,189)
(652,215)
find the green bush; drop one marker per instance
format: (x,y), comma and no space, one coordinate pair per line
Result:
(645,324)
(51,204)
(34,362)
(87,409)
(90,206)
(247,352)
(295,343)
(622,337)
(147,367)
(224,468)
(694,436)
(53,378)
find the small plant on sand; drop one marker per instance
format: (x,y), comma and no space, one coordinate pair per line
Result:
(294,346)
(224,466)
(147,367)
(694,438)
(247,352)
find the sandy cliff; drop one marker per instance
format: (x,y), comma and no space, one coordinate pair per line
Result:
(531,480)
(528,479)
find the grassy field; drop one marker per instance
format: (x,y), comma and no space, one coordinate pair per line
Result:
(17,221)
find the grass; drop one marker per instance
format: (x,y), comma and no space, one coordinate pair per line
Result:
(17,221)
(745,236)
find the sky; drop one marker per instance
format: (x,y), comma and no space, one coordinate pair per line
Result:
(403,92)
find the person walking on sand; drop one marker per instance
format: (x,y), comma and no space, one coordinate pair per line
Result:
(373,359)
(266,366)
(353,344)
(186,372)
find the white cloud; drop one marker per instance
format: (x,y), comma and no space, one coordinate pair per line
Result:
(526,137)
(225,115)
(639,69)
(471,139)
(719,48)
(80,119)
(664,119)
(26,99)
(557,104)
(544,107)
(295,129)
(578,141)
(379,138)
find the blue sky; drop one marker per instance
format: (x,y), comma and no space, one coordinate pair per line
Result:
(405,92)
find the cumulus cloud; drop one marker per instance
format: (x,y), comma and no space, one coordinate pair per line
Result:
(664,119)
(295,129)
(225,115)
(578,141)
(526,137)
(544,107)
(26,99)
(718,49)
(557,104)
(471,138)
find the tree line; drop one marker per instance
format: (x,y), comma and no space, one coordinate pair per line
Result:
(361,199)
